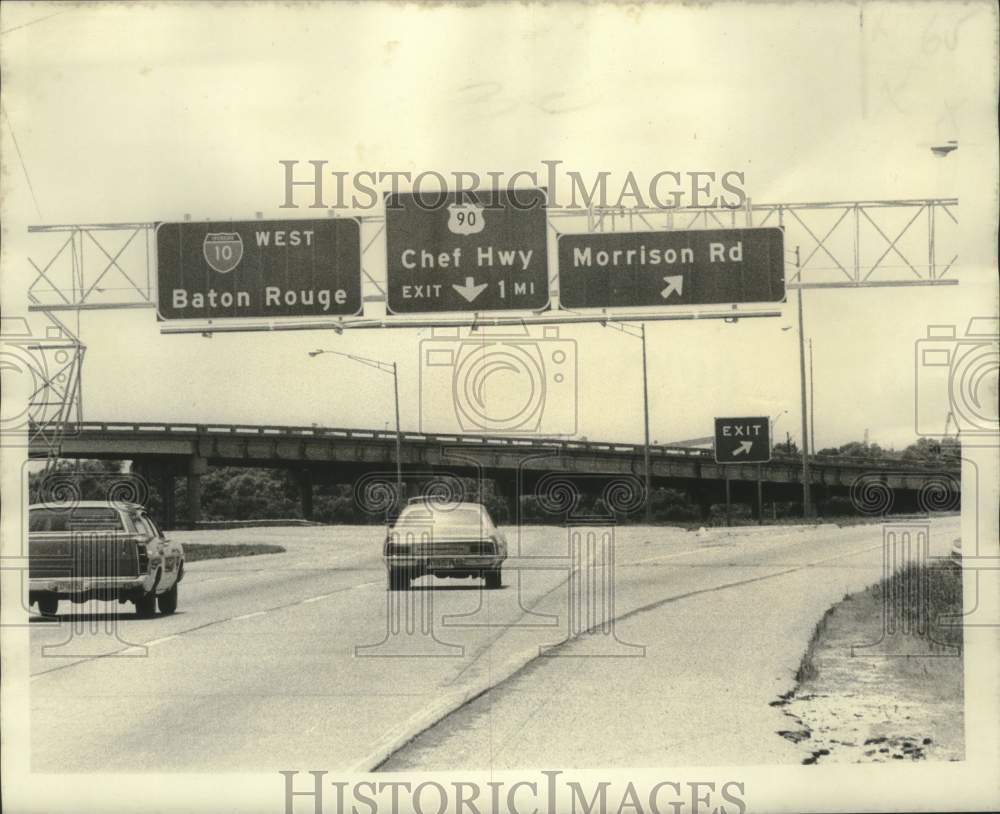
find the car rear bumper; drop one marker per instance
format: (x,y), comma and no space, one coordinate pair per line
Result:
(80,589)
(445,563)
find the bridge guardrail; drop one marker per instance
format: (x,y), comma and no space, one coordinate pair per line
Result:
(269,430)
(326,432)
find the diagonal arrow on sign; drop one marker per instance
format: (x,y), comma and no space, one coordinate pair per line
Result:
(470,290)
(743,448)
(675,282)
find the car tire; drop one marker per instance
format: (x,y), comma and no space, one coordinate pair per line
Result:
(145,606)
(48,604)
(167,601)
(399,580)
(494,579)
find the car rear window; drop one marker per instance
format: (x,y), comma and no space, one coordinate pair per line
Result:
(443,516)
(89,518)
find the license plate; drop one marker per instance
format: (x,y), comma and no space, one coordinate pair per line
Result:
(442,563)
(458,550)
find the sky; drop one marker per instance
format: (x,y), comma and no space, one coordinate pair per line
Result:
(150,113)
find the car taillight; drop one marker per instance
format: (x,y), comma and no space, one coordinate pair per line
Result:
(143,558)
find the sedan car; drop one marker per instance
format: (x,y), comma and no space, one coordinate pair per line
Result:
(455,540)
(97,549)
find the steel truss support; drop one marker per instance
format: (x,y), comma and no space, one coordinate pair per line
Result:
(845,244)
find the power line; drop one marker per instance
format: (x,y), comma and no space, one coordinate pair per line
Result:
(32,22)
(20,157)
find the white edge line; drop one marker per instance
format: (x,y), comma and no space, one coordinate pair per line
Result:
(451,702)
(424,720)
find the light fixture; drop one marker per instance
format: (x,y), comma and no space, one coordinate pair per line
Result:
(941,150)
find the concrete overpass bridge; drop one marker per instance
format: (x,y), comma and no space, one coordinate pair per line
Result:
(549,468)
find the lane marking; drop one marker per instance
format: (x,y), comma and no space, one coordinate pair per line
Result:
(658,557)
(211,579)
(315,598)
(635,611)
(155,642)
(195,628)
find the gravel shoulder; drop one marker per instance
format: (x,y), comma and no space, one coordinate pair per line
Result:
(875,692)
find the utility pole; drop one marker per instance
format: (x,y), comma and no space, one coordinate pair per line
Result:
(645,411)
(812,403)
(806,502)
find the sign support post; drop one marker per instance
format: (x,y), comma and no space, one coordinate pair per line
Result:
(399,441)
(806,502)
(760,495)
(645,410)
(728,505)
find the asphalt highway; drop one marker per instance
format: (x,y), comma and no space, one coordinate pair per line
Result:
(625,646)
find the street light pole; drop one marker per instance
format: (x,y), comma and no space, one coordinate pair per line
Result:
(630,330)
(384,367)
(645,410)
(806,502)
(399,437)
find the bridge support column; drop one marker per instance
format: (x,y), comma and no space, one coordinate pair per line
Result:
(305,481)
(165,486)
(159,473)
(197,467)
(703,497)
(506,488)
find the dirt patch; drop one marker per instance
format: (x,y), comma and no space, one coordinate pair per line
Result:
(882,679)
